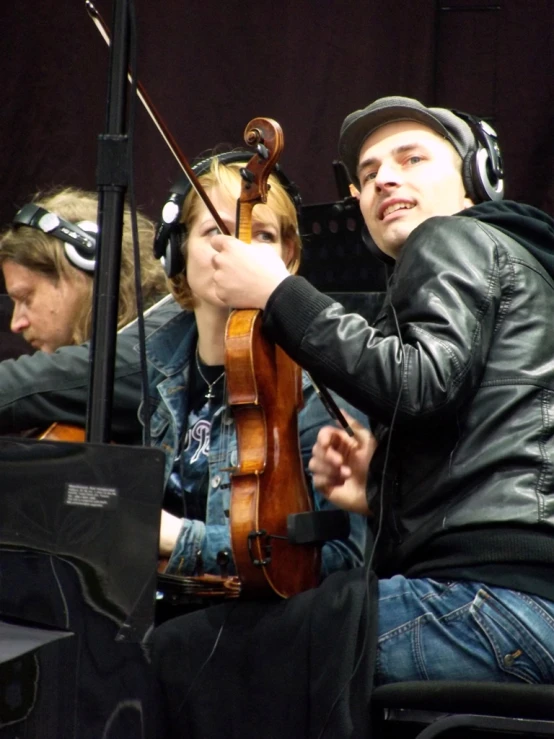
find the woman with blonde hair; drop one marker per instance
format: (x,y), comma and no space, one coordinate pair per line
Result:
(189,418)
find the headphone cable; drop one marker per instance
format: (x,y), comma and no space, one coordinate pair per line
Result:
(369,565)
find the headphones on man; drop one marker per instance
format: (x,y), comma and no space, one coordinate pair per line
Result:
(79,238)
(170,232)
(482,172)
(482,169)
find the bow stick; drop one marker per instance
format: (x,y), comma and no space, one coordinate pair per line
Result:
(160,125)
(173,146)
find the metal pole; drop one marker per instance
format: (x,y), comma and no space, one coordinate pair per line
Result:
(112,182)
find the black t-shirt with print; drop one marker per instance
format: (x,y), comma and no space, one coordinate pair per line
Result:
(192,464)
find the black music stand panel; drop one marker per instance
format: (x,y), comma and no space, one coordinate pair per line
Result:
(79,530)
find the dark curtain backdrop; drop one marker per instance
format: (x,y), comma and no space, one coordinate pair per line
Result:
(211,66)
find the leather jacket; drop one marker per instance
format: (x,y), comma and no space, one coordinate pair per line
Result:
(458,372)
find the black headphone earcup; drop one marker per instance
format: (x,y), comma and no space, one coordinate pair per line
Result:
(480,181)
(482,168)
(173,262)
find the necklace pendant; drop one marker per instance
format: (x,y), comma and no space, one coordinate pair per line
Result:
(210,395)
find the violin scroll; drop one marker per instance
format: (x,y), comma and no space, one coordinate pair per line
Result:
(266,135)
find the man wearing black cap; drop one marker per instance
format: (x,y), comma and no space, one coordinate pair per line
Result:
(457,377)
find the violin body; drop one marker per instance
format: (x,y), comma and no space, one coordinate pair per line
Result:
(264,389)
(62,432)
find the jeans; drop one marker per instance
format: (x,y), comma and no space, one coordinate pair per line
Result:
(431,630)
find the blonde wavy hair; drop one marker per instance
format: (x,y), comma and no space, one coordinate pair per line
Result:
(40,252)
(227,176)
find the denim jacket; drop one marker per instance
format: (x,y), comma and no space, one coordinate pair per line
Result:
(170,350)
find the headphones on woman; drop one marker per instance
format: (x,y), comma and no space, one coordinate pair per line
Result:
(79,238)
(170,232)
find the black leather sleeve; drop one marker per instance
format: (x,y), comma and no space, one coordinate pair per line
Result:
(445,293)
(41,389)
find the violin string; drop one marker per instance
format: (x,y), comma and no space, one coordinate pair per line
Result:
(228,428)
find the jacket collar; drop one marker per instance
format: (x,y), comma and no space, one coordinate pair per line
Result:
(171,358)
(170,347)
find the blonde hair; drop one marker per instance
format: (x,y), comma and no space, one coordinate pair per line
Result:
(40,252)
(227,176)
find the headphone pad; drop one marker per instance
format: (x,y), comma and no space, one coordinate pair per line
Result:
(469,178)
(173,261)
(80,260)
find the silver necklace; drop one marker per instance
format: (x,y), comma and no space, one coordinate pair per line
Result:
(210,394)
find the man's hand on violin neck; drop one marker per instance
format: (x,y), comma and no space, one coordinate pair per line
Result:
(245,275)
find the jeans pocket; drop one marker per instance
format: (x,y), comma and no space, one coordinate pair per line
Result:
(521,638)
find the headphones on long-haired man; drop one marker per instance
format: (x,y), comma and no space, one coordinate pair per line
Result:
(170,232)
(79,238)
(482,172)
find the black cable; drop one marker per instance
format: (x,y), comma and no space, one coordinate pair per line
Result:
(377,533)
(208,658)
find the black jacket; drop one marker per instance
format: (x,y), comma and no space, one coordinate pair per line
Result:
(41,389)
(461,385)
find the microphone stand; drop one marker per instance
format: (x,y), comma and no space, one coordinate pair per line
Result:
(112,177)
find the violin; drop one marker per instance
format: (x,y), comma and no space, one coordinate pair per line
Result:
(264,389)
(184,590)
(62,432)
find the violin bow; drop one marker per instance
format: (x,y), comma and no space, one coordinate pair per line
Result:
(332,408)
(174,148)
(160,125)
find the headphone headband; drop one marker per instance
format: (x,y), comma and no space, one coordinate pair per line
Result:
(79,238)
